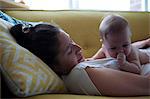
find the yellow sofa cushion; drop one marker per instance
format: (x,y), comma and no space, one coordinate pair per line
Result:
(25,73)
(67,96)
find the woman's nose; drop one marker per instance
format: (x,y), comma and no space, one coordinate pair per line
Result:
(78,47)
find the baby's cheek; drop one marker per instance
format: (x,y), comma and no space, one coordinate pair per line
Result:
(113,54)
(127,51)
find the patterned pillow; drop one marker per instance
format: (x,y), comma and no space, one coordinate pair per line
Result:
(4,29)
(25,73)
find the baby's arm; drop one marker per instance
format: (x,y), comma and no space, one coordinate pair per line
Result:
(142,44)
(144,57)
(132,65)
(100,54)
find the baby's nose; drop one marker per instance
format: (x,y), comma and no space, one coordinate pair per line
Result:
(121,50)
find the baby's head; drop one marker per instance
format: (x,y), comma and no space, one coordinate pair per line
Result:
(115,34)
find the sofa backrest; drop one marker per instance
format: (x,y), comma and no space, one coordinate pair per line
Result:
(83,25)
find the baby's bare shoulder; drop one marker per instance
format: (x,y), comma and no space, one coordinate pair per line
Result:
(134,54)
(141,56)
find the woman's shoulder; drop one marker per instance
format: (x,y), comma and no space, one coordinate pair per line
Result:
(78,81)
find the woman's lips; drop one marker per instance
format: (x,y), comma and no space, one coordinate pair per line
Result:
(81,59)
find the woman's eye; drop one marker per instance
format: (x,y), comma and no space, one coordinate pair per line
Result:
(70,50)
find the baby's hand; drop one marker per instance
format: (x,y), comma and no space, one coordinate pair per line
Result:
(121,58)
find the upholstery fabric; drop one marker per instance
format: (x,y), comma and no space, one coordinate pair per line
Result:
(82,25)
(67,96)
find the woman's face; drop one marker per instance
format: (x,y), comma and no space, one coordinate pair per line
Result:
(69,53)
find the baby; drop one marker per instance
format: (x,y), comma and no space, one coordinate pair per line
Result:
(116,39)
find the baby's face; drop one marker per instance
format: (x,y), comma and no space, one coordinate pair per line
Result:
(116,43)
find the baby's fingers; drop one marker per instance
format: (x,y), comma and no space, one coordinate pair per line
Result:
(121,58)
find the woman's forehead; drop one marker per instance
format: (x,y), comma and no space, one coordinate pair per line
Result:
(64,42)
(64,36)
(64,39)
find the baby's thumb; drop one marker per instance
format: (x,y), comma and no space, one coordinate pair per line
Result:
(121,58)
(121,55)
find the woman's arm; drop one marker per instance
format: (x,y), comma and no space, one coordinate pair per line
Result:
(118,83)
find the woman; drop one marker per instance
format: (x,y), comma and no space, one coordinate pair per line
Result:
(55,47)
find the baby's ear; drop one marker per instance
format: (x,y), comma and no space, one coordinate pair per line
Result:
(101,40)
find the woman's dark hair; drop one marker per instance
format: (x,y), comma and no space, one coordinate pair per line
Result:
(40,39)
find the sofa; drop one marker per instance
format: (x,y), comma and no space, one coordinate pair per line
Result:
(82,26)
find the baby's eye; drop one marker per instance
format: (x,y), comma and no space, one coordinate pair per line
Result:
(125,45)
(113,48)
